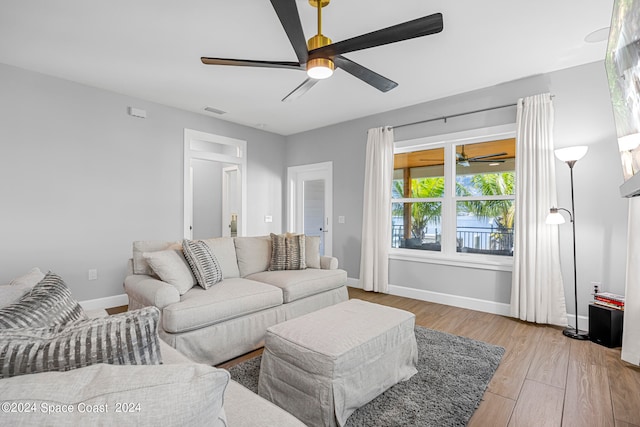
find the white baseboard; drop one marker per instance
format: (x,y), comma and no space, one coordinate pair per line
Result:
(353,283)
(106,302)
(486,306)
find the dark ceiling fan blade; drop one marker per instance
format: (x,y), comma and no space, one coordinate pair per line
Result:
(300,90)
(381,83)
(486,156)
(251,63)
(408,30)
(487,161)
(287,12)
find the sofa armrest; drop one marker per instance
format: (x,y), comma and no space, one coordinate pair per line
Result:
(126,395)
(328,263)
(144,291)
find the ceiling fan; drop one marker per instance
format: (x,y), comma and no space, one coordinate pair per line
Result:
(463,160)
(319,56)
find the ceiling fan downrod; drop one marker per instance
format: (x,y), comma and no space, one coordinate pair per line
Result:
(319,68)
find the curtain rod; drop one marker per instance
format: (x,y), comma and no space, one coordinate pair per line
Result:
(445,118)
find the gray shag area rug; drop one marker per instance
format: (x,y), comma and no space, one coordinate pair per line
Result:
(453,374)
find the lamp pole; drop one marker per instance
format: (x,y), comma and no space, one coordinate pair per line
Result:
(576,334)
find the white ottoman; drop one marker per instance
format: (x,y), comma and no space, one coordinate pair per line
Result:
(323,366)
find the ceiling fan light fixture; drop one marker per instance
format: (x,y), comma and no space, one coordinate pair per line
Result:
(320,68)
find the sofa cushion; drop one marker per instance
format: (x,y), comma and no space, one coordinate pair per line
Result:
(254,254)
(297,284)
(159,395)
(264,413)
(48,303)
(312,251)
(229,299)
(225,251)
(140,265)
(172,267)
(287,252)
(204,264)
(129,338)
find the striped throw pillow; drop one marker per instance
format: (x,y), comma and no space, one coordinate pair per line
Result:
(203,262)
(49,303)
(129,338)
(287,252)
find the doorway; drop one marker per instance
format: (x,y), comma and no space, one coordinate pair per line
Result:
(310,202)
(214,185)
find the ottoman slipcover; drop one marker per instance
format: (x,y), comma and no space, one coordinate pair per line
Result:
(323,366)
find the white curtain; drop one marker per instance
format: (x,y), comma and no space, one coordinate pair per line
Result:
(631,327)
(376,210)
(537,292)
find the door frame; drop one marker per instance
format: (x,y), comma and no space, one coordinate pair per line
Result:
(295,198)
(238,158)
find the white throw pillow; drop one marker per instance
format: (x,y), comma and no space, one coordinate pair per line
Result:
(140,265)
(172,267)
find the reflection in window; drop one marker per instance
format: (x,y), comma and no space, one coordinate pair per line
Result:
(481,197)
(418,187)
(485,190)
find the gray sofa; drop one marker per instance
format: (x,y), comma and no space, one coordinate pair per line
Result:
(178,392)
(230,318)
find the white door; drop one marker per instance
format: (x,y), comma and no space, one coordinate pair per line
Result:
(311,202)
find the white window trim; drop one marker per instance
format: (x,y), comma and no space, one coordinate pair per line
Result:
(457,259)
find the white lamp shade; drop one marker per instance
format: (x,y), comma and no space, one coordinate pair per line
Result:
(570,154)
(555,218)
(319,72)
(629,142)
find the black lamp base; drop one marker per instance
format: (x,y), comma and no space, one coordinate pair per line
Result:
(575,334)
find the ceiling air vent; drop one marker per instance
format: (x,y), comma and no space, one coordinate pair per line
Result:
(214,110)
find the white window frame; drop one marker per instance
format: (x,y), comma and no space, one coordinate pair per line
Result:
(448,254)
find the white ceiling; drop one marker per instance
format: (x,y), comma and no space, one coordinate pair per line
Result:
(151,49)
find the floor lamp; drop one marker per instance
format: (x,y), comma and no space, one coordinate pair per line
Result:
(570,156)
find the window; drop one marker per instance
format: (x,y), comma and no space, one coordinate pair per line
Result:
(455,196)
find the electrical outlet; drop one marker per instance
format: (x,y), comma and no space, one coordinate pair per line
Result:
(93,274)
(341,219)
(596,287)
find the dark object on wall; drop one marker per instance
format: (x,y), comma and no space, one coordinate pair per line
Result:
(605,325)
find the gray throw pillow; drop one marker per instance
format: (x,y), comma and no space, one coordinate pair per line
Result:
(130,338)
(203,262)
(49,303)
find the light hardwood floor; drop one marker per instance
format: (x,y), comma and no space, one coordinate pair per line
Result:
(544,378)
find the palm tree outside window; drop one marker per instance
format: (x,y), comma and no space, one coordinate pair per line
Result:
(483,175)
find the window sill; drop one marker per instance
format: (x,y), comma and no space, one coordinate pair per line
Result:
(483,262)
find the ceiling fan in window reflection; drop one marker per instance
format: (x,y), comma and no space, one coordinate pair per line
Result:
(463,160)
(319,56)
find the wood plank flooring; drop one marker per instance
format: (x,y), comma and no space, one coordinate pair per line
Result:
(544,378)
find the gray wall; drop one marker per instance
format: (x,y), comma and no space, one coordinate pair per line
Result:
(207,194)
(583,117)
(80,179)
